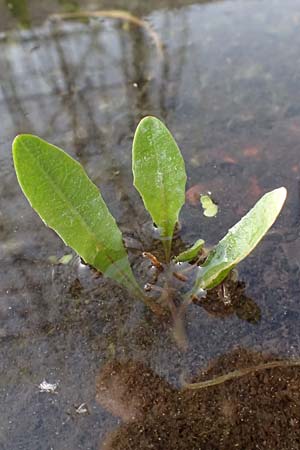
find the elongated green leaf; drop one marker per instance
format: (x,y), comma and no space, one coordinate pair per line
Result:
(241,239)
(60,191)
(159,175)
(191,252)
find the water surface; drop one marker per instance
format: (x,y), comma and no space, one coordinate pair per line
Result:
(228,87)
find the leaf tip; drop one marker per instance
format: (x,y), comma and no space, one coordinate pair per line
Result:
(279,195)
(19,138)
(282,191)
(149,121)
(16,140)
(15,146)
(149,118)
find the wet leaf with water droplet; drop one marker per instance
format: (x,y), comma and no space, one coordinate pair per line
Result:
(60,191)
(159,175)
(241,239)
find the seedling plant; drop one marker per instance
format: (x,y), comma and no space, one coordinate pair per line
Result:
(59,190)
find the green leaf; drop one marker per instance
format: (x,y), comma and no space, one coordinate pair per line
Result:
(65,259)
(159,175)
(60,191)
(191,252)
(210,209)
(240,240)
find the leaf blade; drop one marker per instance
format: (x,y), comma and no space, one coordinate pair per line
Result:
(159,175)
(59,190)
(191,252)
(241,239)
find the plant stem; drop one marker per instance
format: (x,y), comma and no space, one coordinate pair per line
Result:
(240,373)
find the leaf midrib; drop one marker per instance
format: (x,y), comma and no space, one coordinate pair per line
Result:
(66,200)
(163,184)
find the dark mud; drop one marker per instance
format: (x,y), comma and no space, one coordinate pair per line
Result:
(259,410)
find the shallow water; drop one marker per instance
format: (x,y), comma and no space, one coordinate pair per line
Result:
(228,87)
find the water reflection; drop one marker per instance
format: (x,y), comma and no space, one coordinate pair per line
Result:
(261,408)
(228,88)
(19,9)
(84,74)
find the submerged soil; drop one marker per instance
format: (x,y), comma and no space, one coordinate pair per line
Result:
(228,88)
(258,410)
(230,298)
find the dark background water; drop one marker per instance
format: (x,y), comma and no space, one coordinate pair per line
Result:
(228,87)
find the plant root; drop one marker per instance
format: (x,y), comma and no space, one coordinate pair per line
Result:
(240,373)
(115,14)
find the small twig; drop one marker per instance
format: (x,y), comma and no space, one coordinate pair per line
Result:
(116,14)
(180,276)
(153,260)
(240,373)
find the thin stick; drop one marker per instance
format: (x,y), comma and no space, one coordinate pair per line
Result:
(240,373)
(154,261)
(180,276)
(116,14)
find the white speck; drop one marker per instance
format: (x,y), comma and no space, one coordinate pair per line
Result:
(48,387)
(82,409)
